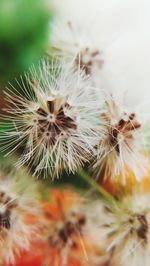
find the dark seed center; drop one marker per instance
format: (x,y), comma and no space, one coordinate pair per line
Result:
(66,233)
(5,214)
(55,122)
(140,227)
(5,220)
(124,128)
(87,58)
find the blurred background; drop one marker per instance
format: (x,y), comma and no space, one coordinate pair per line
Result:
(24,30)
(24,35)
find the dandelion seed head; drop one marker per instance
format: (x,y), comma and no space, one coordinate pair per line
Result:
(70,230)
(16,208)
(70,40)
(121,149)
(127,227)
(53,117)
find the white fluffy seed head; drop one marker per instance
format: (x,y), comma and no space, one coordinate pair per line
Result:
(127,229)
(53,116)
(121,149)
(18,205)
(70,40)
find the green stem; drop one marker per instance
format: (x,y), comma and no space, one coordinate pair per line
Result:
(104,194)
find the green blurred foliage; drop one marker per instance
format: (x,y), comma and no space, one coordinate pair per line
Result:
(24,35)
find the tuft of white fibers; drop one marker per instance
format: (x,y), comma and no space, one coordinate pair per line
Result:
(122,149)
(18,205)
(53,113)
(126,226)
(70,39)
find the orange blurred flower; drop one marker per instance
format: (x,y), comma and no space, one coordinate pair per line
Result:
(117,188)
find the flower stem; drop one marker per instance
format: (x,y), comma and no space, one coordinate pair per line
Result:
(104,194)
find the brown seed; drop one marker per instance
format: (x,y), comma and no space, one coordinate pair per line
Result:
(63,235)
(41,112)
(82,220)
(50,105)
